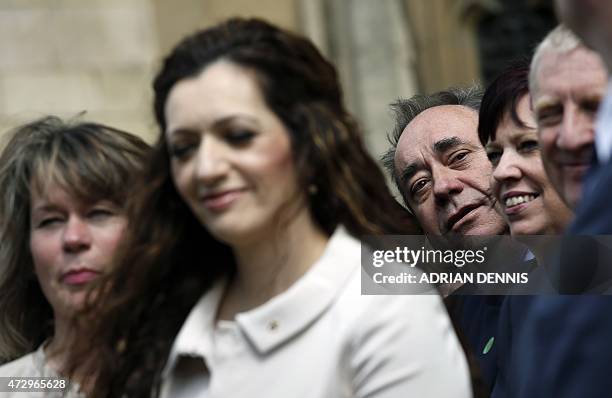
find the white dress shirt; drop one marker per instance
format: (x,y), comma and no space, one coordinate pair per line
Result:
(320,338)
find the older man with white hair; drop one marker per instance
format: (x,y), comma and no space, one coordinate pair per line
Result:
(592,21)
(565,344)
(567,82)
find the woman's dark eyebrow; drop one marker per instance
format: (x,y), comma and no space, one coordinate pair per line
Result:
(217,124)
(229,119)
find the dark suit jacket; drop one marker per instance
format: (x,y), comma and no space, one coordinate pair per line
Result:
(566,342)
(594,215)
(476,320)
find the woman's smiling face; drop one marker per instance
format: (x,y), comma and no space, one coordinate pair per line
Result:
(529,202)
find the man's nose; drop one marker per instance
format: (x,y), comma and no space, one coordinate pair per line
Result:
(446,184)
(577,129)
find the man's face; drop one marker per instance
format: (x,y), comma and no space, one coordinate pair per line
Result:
(445,173)
(568,90)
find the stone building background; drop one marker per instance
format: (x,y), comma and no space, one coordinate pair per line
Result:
(98,57)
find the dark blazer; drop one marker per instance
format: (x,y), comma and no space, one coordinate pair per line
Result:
(566,342)
(594,215)
(476,319)
(511,321)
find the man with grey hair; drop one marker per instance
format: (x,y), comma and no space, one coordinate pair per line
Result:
(592,21)
(569,337)
(443,174)
(567,82)
(440,167)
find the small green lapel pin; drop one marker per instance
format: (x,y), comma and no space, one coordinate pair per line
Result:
(489,345)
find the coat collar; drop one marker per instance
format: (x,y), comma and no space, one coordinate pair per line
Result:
(281,318)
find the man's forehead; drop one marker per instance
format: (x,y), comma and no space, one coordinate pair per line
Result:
(437,124)
(578,69)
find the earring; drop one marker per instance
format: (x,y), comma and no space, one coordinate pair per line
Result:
(313,189)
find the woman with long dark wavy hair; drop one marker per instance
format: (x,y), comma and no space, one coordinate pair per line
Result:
(241,272)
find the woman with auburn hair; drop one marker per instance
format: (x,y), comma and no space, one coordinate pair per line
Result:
(241,272)
(61,218)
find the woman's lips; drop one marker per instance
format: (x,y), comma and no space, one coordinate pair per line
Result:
(79,277)
(516,203)
(514,210)
(220,201)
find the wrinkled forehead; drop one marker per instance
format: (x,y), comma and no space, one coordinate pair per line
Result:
(579,71)
(427,135)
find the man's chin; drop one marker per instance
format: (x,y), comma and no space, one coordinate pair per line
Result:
(477,228)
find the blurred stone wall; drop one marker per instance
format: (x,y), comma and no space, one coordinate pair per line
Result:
(445,44)
(372,45)
(66,57)
(97,58)
(175,18)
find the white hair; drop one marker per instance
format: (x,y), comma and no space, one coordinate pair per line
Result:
(560,40)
